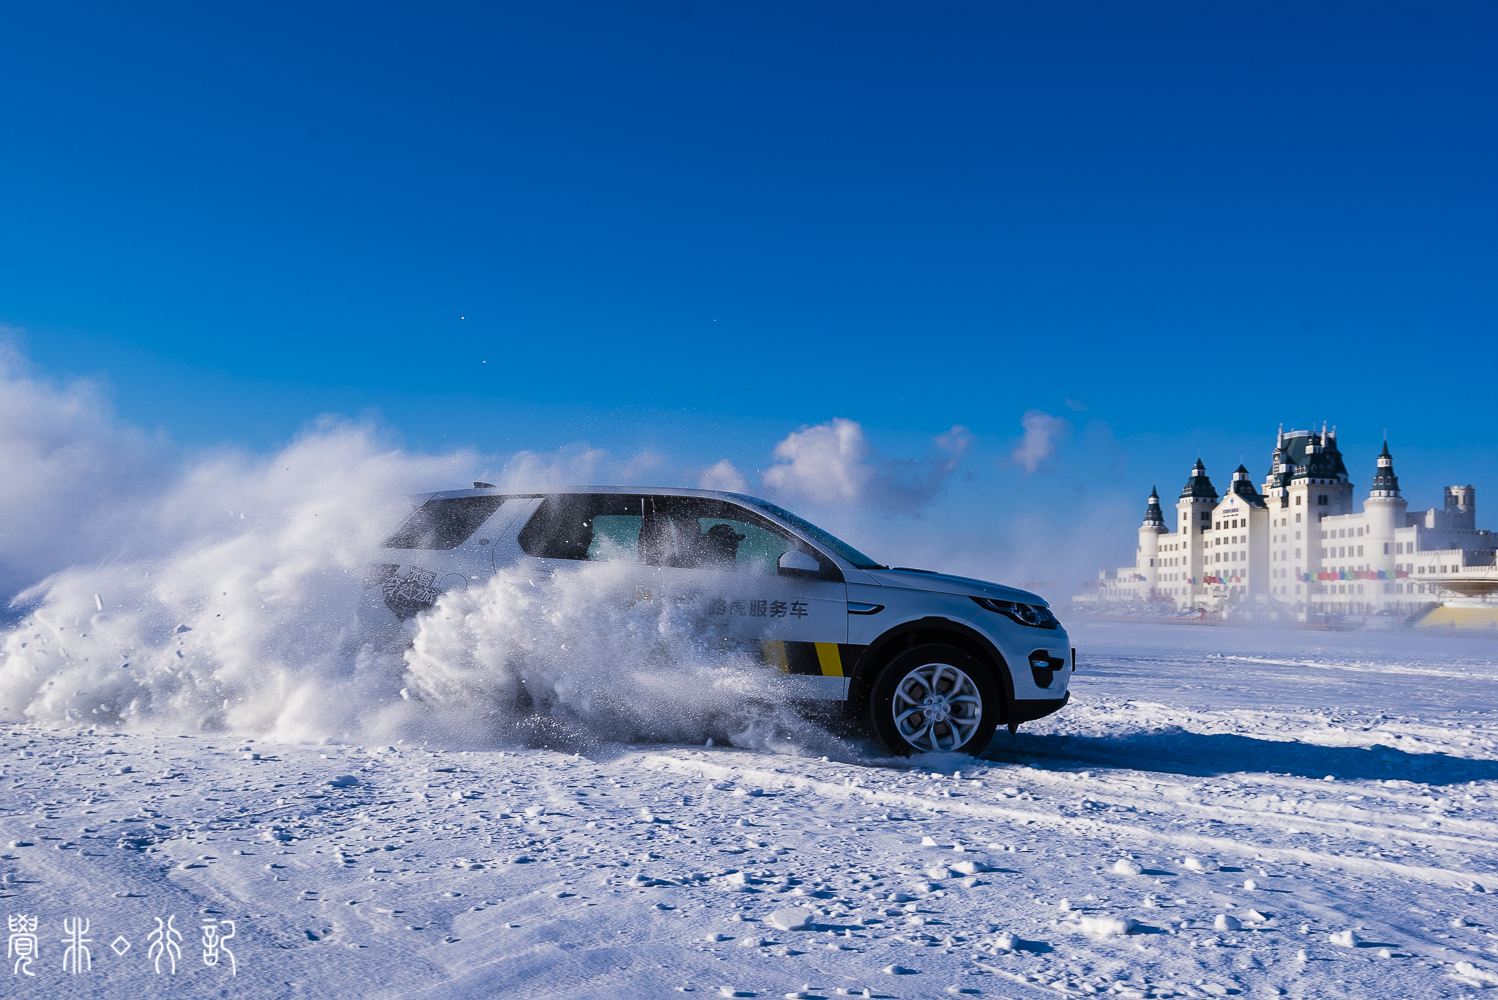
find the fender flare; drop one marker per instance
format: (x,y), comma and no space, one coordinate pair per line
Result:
(919,632)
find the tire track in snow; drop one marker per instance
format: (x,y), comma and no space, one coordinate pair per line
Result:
(1085,826)
(1478,837)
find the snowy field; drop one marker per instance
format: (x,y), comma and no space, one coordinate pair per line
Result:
(1220,812)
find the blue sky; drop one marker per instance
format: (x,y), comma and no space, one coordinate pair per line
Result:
(697,229)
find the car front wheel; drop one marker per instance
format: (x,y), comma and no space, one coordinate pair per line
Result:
(934,699)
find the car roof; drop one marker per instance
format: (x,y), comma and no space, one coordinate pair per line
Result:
(546,491)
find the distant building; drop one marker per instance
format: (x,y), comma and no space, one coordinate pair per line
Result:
(1300,545)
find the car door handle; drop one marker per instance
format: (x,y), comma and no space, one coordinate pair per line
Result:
(859,608)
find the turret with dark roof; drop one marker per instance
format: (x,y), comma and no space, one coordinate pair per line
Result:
(1243,488)
(1303,456)
(1385,482)
(1154,517)
(1199,486)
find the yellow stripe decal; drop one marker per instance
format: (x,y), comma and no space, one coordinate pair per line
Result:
(774,650)
(827,656)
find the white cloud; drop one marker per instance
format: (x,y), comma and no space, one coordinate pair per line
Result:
(1039,443)
(955,442)
(825,463)
(834,463)
(644,465)
(724,476)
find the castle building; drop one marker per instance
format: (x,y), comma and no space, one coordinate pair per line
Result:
(1298,543)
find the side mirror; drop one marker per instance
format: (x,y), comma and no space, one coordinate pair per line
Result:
(797,561)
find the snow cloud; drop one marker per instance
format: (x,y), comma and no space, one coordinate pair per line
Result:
(578,465)
(68,463)
(1042,431)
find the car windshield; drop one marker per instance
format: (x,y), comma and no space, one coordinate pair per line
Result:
(827,539)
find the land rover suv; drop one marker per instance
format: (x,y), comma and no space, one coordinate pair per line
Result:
(929,662)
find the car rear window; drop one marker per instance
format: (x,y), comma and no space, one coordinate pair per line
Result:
(444,523)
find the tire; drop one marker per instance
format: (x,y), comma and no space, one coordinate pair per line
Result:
(912,706)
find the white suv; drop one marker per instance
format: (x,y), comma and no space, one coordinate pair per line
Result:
(931,662)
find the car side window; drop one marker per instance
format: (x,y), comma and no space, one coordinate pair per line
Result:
(679,532)
(591,526)
(615,536)
(717,542)
(702,533)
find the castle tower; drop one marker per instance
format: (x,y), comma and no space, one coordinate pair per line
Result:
(1461,506)
(1242,485)
(1194,511)
(1150,530)
(1384,511)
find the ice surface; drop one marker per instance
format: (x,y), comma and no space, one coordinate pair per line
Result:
(1481,976)
(1106,926)
(473,866)
(791,918)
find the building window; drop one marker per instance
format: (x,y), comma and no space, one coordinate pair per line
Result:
(1321,499)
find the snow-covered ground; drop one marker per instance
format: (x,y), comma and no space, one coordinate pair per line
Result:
(1220,812)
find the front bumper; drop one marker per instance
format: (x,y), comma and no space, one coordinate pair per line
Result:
(1030,709)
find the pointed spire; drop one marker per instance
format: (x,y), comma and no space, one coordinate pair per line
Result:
(1385,482)
(1154,517)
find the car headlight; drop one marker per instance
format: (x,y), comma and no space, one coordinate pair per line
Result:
(1033,615)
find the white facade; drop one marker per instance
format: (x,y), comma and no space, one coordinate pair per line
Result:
(1299,544)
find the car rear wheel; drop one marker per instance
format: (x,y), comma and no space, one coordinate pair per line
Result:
(934,699)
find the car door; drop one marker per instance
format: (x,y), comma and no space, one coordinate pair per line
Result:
(758,584)
(761,589)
